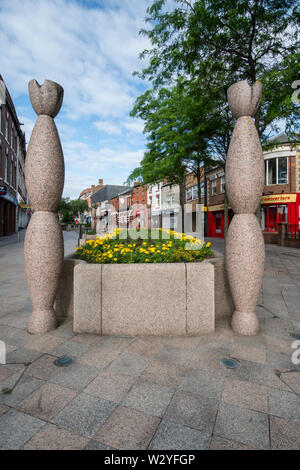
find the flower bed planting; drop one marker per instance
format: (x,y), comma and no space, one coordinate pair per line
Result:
(123,246)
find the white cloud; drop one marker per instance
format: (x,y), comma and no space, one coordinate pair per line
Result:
(91,52)
(136,125)
(108,127)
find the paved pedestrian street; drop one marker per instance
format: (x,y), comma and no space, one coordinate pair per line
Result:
(152,393)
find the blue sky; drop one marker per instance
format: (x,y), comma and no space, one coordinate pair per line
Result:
(91,48)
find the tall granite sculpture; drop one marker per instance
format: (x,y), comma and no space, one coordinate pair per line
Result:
(44,176)
(245,250)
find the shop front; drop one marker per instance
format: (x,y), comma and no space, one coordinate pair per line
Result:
(275,209)
(280,208)
(215,220)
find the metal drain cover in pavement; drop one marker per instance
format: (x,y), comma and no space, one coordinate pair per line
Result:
(295,335)
(63,361)
(229,363)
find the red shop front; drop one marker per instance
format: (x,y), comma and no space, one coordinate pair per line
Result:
(215,220)
(277,208)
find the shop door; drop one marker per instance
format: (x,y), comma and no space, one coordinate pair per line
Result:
(282,213)
(263,217)
(273,218)
(218,219)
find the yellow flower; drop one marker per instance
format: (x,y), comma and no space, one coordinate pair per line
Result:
(208,244)
(110,255)
(147,261)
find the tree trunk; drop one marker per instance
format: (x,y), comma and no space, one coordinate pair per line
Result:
(199,184)
(205,203)
(258,210)
(182,199)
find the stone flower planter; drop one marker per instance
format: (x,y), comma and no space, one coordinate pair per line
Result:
(145,299)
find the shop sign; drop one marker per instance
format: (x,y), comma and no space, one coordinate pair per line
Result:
(278,198)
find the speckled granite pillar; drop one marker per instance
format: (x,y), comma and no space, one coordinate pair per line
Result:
(245,249)
(44,176)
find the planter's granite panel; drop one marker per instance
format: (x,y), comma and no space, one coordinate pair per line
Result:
(64,304)
(140,299)
(87,298)
(200,281)
(224,306)
(144,300)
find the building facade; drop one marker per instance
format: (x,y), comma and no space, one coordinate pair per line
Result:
(280,202)
(13,197)
(139,206)
(154,204)
(192,195)
(122,210)
(86,195)
(170,206)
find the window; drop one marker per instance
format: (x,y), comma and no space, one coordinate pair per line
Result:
(170,201)
(276,171)
(192,193)
(223,184)
(15,177)
(213,187)
(0,119)
(282,170)
(202,189)
(6,169)
(6,127)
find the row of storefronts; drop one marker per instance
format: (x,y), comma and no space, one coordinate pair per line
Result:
(14,212)
(158,205)
(274,209)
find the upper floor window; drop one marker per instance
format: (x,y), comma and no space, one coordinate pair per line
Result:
(6,127)
(170,201)
(223,184)
(11,173)
(276,171)
(213,187)
(192,193)
(6,168)
(202,189)
(0,118)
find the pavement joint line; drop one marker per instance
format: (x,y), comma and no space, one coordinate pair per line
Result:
(279,373)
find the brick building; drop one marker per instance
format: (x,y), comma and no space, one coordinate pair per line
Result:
(121,209)
(86,194)
(281,197)
(12,161)
(139,203)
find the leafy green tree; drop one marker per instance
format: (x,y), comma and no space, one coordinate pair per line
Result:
(237,39)
(218,42)
(63,205)
(68,208)
(178,122)
(78,206)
